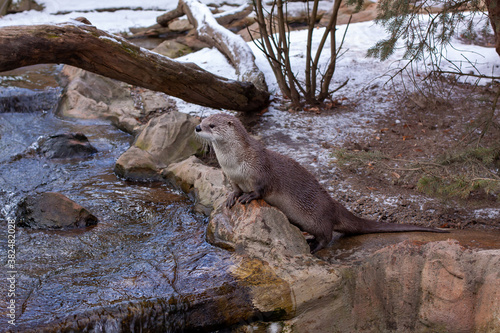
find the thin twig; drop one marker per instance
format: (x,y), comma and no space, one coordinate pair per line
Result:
(481,76)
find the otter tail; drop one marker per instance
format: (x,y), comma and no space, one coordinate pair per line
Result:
(358,225)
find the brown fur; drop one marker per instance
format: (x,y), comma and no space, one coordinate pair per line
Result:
(256,172)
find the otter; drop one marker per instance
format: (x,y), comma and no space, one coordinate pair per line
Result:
(258,173)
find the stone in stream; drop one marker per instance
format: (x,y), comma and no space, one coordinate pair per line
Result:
(67,145)
(52,210)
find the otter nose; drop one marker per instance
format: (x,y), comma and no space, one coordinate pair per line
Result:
(198,128)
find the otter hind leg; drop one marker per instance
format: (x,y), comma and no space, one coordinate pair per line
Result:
(317,244)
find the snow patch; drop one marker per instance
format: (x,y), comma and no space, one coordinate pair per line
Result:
(488,213)
(114,40)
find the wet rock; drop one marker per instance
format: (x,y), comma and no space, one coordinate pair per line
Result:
(14,99)
(68,145)
(205,309)
(137,165)
(52,210)
(166,139)
(172,49)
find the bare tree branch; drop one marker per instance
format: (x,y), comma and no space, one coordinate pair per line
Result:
(231,45)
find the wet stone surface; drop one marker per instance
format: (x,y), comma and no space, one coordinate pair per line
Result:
(347,250)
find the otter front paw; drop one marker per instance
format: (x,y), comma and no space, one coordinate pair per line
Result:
(231,200)
(247,197)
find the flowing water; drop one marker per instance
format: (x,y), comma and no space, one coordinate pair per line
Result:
(142,266)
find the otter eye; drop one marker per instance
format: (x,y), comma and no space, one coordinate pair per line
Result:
(211,125)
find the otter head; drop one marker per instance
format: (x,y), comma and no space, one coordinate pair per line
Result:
(217,128)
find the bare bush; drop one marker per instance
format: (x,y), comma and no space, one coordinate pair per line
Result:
(275,43)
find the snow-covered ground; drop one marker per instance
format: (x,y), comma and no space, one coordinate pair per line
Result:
(299,135)
(363,73)
(353,64)
(133,13)
(367,79)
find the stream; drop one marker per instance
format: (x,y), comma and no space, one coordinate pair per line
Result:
(144,267)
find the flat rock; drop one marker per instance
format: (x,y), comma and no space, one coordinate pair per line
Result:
(180,25)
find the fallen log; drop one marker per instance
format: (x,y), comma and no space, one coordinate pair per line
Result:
(236,14)
(85,46)
(165,19)
(222,18)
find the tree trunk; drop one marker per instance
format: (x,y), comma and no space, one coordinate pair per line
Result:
(494,15)
(164,19)
(89,48)
(4,7)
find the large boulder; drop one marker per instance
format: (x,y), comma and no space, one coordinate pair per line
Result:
(90,96)
(257,229)
(419,286)
(166,139)
(52,210)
